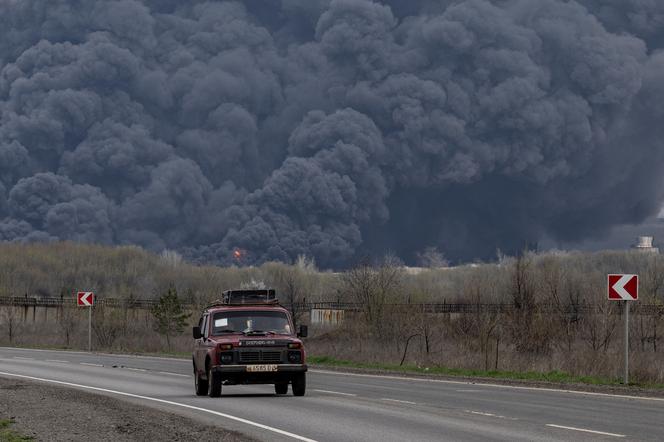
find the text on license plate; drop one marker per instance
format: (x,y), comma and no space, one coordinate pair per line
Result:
(262,367)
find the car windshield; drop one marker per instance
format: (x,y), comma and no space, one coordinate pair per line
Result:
(248,322)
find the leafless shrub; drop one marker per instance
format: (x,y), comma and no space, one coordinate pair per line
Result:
(69,319)
(107,326)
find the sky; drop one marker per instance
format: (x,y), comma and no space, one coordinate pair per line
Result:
(336,129)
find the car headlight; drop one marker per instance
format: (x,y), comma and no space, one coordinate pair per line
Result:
(226,358)
(294,357)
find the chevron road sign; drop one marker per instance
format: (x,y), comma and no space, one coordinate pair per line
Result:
(623,287)
(85,299)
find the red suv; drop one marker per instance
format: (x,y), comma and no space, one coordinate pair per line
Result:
(248,338)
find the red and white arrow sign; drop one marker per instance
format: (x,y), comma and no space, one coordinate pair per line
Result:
(623,287)
(85,299)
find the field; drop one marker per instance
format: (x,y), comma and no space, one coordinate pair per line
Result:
(536,313)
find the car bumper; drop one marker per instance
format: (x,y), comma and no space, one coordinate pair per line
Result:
(281,368)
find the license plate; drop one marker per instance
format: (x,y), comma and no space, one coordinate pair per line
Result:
(262,367)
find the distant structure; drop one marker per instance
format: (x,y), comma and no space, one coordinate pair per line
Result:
(644,244)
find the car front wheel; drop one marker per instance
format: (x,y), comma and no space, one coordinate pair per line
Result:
(214,383)
(281,388)
(200,384)
(299,384)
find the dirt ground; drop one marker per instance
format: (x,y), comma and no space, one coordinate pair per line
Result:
(50,413)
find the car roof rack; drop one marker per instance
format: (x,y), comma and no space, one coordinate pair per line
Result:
(246,297)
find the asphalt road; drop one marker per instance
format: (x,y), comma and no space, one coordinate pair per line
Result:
(352,407)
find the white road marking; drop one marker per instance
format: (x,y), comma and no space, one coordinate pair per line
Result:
(498,416)
(174,374)
(56,360)
(399,401)
(135,369)
(25,359)
(481,413)
(90,365)
(468,391)
(585,430)
(335,392)
(163,401)
(479,384)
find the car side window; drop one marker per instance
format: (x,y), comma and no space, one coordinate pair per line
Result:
(205,326)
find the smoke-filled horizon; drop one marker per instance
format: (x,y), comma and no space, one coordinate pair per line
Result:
(335,129)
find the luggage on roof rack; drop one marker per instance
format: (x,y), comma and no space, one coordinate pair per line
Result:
(234,297)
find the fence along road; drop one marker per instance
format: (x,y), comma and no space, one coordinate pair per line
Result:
(442,307)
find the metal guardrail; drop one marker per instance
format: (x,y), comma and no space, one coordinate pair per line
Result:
(25,301)
(467,308)
(640,308)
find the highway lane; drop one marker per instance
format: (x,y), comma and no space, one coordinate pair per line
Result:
(350,407)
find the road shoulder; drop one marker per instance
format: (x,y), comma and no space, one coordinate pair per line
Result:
(63,414)
(588,388)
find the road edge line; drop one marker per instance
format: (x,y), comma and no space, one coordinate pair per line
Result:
(163,401)
(585,430)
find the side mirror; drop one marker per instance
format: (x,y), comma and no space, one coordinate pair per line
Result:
(197,333)
(304,331)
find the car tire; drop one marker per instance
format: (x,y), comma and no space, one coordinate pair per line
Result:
(200,384)
(214,383)
(281,388)
(299,384)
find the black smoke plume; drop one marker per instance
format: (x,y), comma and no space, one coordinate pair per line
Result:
(332,128)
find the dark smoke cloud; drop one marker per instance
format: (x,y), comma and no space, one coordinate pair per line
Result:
(53,205)
(3,201)
(332,128)
(641,18)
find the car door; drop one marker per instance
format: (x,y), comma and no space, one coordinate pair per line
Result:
(199,347)
(207,343)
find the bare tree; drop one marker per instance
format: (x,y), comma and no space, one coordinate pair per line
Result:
(563,293)
(293,284)
(10,320)
(599,326)
(372,285)
(171,258)
(69,319)
(480,289)
(431,257)
(523,302)
(654,284)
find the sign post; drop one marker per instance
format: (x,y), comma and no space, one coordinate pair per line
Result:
(624,288)
(626,376)
(87,299)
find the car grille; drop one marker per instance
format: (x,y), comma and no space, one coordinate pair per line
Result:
(260,356)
